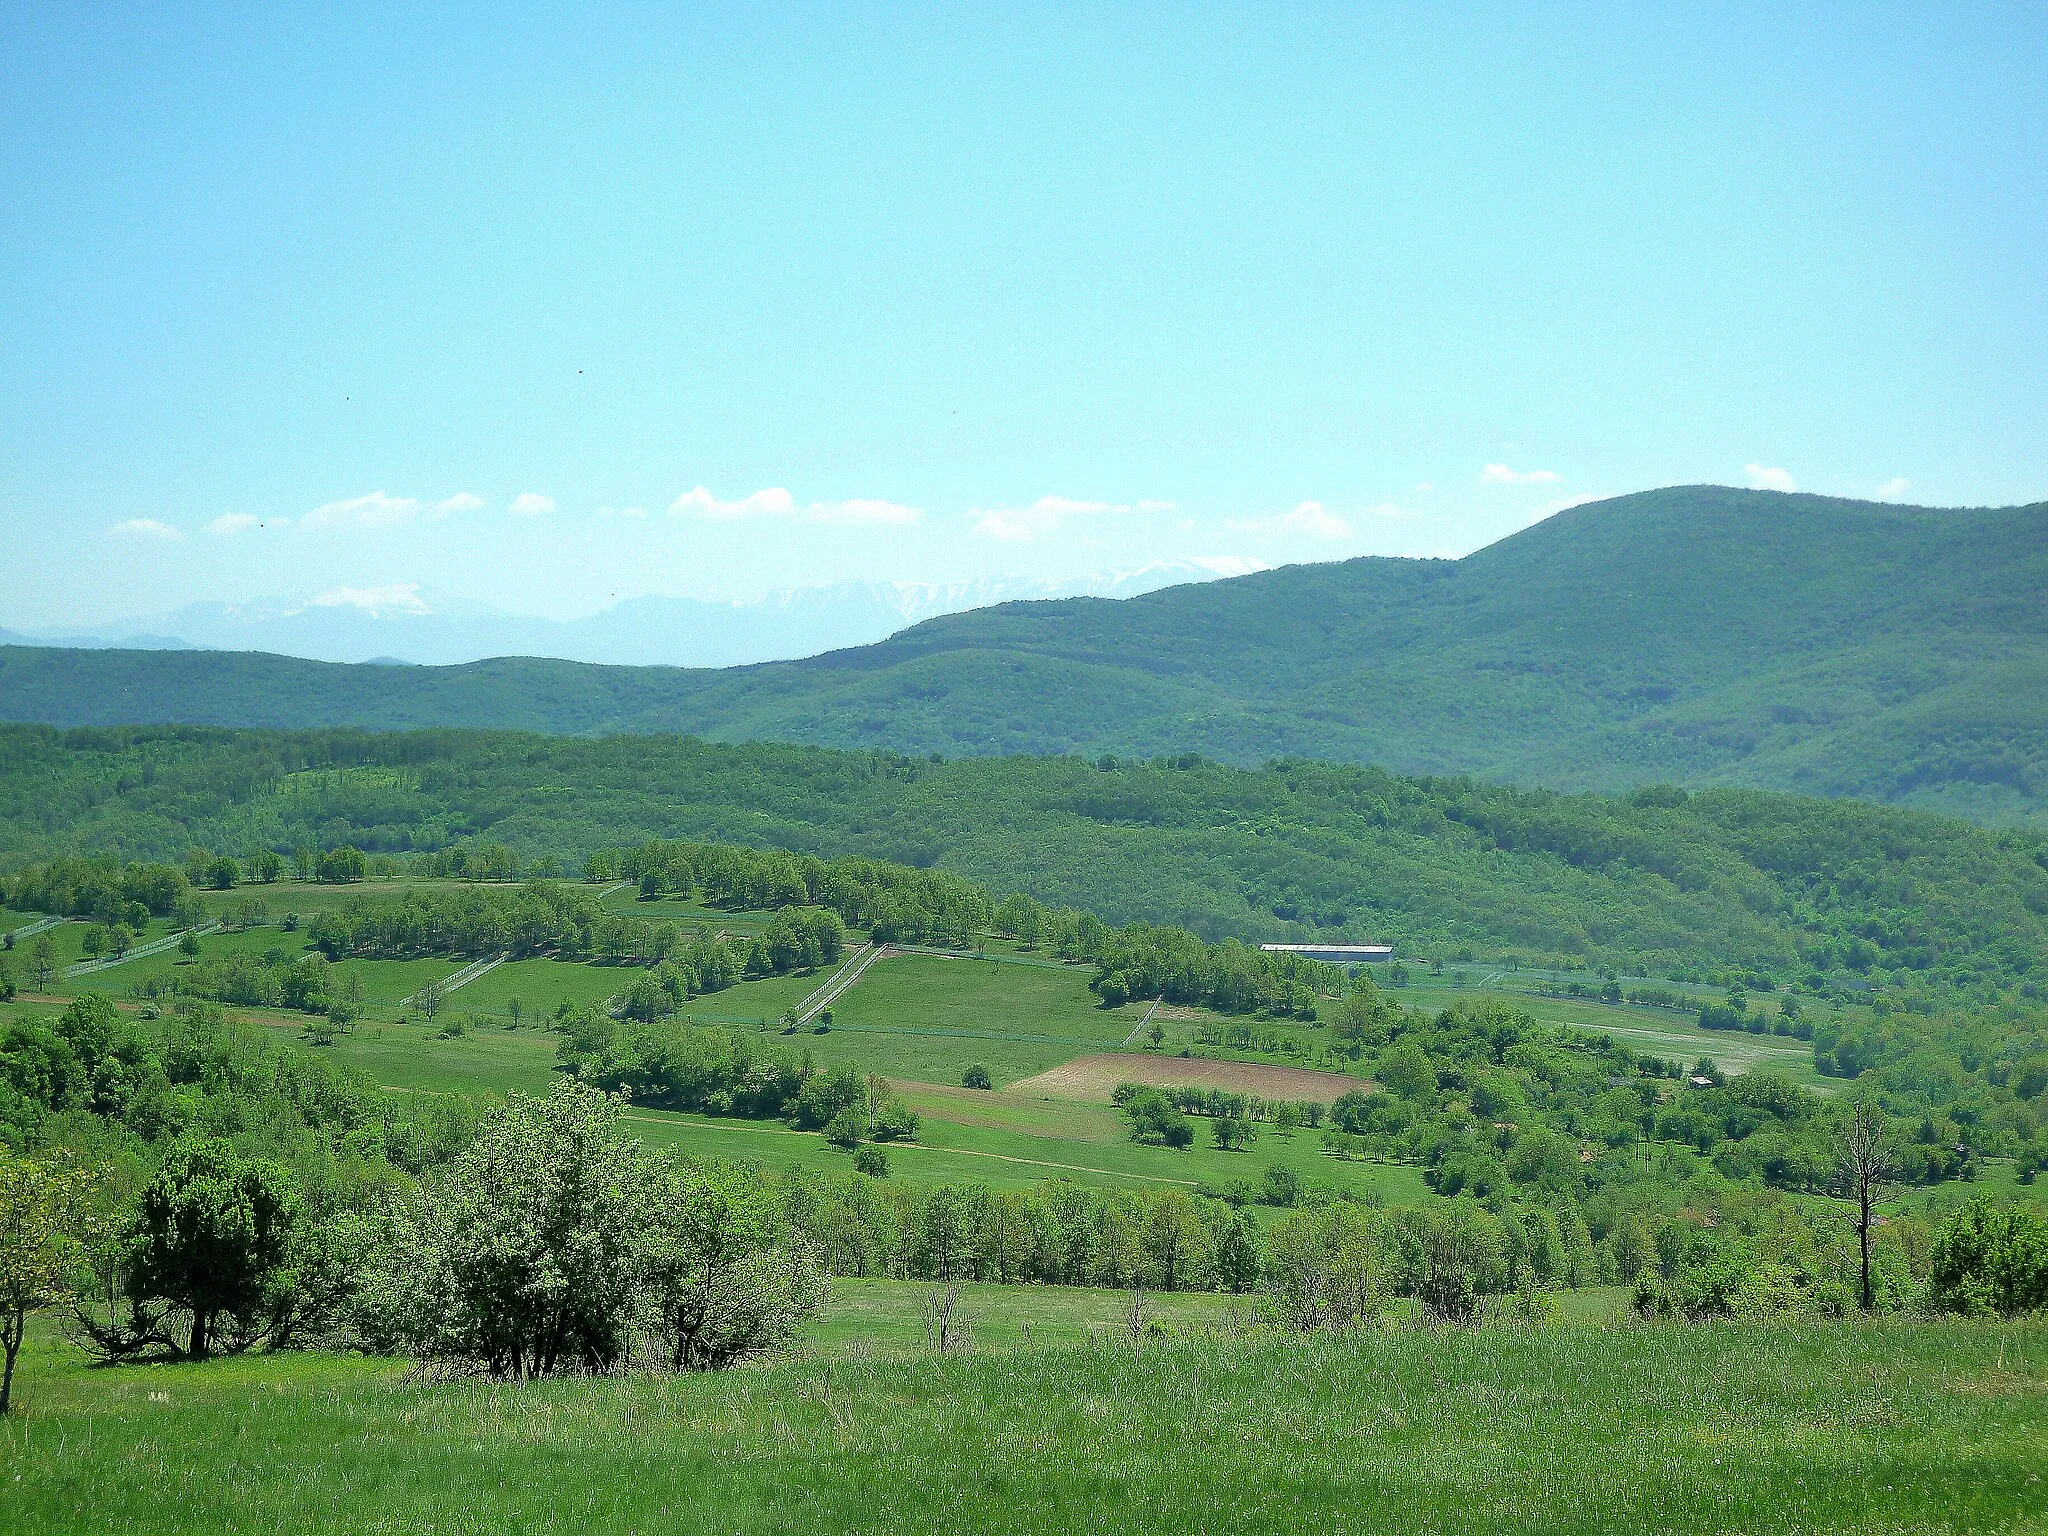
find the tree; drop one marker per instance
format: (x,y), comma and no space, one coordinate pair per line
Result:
(223,873)
(1327,1269)
(1233,1133)
(1407,1071)
(724,1277)
(1155,1121)
(42,1214)
(267,866)
(526,1260)
(342,866)
(1235,1261)
(211,1235)
(428,1000)
(188,945)
(42,962)
(976,1076)
(1865,1158)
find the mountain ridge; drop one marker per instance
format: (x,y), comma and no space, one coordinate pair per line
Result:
(409,623)
(1695,635)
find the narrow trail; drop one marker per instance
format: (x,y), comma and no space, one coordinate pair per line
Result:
(463,977)
(836,985)
(1140,1029)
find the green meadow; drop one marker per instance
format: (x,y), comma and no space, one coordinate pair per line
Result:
(1848,1427)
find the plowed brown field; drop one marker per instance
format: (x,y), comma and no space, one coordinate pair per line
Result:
(1094,1078)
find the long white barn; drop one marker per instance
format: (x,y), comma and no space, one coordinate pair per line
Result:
(1335,954)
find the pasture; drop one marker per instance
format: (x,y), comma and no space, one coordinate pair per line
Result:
(1650,1031)
(1580,1429)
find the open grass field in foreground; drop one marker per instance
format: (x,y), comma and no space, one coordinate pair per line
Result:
(1742,1427)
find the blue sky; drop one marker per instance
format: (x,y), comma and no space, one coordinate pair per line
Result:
(545,312)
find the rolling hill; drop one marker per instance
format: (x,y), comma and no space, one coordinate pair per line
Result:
(1696,635)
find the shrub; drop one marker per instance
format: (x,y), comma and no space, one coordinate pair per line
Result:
(1990,1259)
(976,1076)
(1154,1120)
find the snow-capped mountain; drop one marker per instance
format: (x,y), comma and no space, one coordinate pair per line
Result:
(407,622)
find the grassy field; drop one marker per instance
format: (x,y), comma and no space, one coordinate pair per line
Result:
(1753,1428)
(1652,1031)
(929,1018)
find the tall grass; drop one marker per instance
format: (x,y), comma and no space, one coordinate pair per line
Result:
(1867,1428)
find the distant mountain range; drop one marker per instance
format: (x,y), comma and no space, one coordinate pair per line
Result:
(1696,635)
(409,623)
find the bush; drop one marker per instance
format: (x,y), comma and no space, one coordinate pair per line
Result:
(525,1260)
(976,1076)
(1990,1259)
(1154,1120)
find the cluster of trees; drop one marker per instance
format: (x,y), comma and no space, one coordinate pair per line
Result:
(277,978)
(98,1076)
(1159,1117)
(895,902)
(1222,1103)
(676,1064)
(540,917)
(105,890)
(1173,964)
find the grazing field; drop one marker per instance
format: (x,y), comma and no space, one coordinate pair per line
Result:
(1743,1427)
(1652,1031)
(1094,1078)
(930,1017)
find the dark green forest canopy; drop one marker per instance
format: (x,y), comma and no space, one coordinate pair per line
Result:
(1697,635)
(1656,881)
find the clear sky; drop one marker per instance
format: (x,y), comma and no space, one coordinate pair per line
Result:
(545,311)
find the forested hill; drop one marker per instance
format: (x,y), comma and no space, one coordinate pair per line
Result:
(1696,635)
(1719,883)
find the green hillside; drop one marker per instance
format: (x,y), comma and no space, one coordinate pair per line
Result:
(1657,881)
(1696,635)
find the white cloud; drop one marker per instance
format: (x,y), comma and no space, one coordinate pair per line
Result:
(376,510)
(1894,489)
(531,504)
(461,501)
(698,502)
(1500,474)
(1424,486)
(145,528)
(399,597)
(242,522)
(1764,478)
(1309,519)
(777,502)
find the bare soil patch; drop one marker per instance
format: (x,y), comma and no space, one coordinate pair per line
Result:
(1094,1078)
